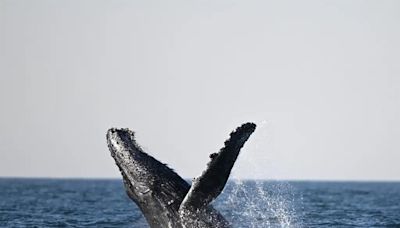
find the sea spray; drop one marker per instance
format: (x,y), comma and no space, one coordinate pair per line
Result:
(257,202)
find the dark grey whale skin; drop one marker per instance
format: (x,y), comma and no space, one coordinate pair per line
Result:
(165,199)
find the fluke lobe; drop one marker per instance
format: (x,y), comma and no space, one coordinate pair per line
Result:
(165,199)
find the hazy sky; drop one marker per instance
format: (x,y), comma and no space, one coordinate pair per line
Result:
(321,78)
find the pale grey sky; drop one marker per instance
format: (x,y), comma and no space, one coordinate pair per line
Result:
(321,78)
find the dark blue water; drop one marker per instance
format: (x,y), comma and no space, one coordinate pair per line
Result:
(103,203)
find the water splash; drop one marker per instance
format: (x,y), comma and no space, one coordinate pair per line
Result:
(259,203)
(254,203)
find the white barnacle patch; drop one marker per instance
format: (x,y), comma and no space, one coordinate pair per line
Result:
(142,189)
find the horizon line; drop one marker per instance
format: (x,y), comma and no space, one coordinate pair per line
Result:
(190,178)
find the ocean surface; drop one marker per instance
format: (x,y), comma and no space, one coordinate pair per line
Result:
(104,203)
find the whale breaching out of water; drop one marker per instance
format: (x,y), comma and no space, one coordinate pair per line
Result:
(166,199)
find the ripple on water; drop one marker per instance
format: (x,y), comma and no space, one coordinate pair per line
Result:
(104,203)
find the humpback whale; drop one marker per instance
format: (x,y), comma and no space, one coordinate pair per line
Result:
(165,198)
